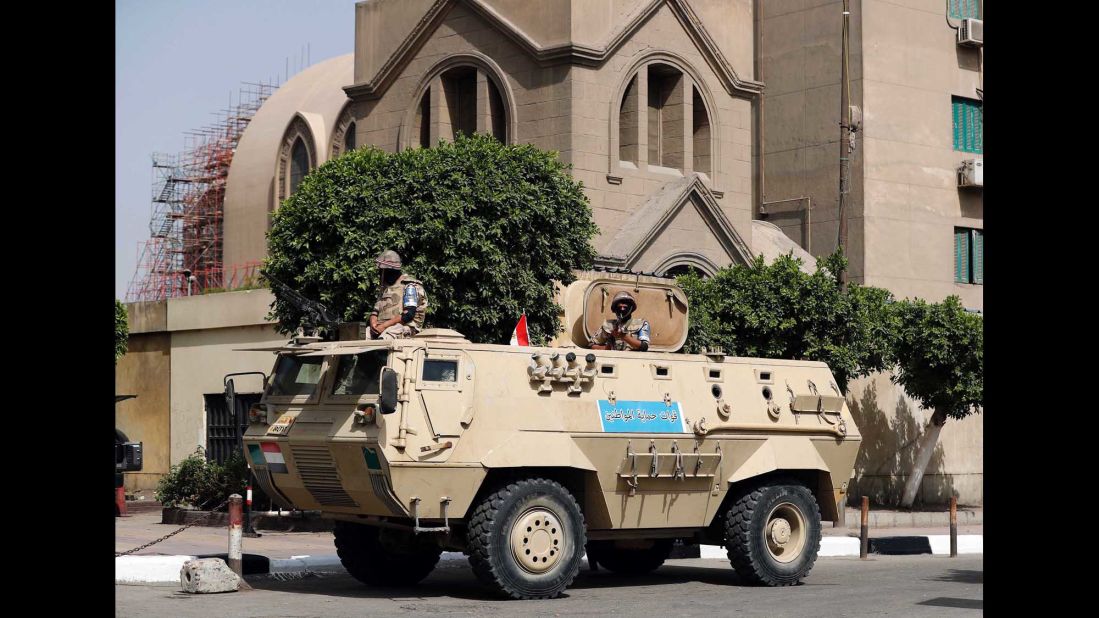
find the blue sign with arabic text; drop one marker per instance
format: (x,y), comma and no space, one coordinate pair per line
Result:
(641,417)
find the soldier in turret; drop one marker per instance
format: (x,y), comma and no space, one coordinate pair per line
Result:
(402,302)
(624,332)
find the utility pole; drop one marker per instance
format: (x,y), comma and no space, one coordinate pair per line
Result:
(846,135)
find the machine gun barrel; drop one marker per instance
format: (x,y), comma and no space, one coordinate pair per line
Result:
(315,314)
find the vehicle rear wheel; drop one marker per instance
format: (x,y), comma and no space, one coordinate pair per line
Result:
(634,557)
(379,557)
(526,539)
(772,534)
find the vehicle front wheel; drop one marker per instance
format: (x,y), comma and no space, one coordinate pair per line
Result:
(772,534)
(526,539)
(379,557)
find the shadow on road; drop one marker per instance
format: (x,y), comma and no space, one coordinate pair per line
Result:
(961,577)
(459,582)
(952,602)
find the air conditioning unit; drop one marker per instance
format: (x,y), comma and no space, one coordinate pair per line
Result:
(972,33)
(971,173)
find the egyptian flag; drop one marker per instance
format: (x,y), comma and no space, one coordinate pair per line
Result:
(519,335)
(272,454)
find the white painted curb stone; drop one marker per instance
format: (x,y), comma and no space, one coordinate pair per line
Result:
(148,569)
(967,544)
(838,546)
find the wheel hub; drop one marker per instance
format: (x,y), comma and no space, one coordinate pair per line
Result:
(537,539)
(786,532)
(780,531)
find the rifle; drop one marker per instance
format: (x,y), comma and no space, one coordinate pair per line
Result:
(314,314)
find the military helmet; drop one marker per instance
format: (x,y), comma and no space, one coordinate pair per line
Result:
(389,259)
(624,296)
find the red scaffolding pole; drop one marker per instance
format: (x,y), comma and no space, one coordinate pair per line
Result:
(183,254)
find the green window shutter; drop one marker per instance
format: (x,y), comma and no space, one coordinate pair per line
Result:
(962,9)
(956,115)
(978,256)
(961,255)
(968,118)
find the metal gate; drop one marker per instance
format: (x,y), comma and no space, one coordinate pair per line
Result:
(221,435)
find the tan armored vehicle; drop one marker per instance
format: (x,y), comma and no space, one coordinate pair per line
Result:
(525,458)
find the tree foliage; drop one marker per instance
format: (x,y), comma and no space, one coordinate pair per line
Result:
(780,311)
(121,330)
(939,354)
(486,227)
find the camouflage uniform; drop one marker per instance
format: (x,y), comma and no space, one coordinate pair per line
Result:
(392,300)
(637,327)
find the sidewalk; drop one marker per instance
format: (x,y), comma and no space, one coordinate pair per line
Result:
(144,527)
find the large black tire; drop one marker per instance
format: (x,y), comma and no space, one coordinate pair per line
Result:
(393,560)
(763,549)
(526,539)
(628,560)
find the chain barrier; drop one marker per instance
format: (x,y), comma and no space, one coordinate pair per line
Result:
(213,511)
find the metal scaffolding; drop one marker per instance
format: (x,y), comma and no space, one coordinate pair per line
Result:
(183,255)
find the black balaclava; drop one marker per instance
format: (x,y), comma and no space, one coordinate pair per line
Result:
(623,315)
(390,276)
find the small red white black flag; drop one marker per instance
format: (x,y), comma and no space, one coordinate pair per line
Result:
(519,335)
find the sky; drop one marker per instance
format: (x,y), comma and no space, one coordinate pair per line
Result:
(176,63)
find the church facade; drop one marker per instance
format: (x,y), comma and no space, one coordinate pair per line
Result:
(650,101)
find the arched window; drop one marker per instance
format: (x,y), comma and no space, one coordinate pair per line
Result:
(349,138)
(463,95)
(700,132)
(627,124)
(684,269)
(663,118)
(299,164)
(666,115)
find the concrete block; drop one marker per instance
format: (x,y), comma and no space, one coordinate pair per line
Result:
(208,575)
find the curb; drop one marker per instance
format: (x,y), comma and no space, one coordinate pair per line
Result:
(840,546)
(165,569)
(913,519)
(148,569)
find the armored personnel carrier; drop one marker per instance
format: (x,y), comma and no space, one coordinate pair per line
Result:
(526,458)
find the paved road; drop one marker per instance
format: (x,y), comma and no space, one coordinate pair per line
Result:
(885,585)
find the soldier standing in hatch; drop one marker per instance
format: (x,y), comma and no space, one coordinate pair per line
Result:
(399,311)
(624,332)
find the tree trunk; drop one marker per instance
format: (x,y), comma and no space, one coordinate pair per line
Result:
(928,441)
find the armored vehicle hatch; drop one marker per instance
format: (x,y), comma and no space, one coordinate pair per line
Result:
(587,305)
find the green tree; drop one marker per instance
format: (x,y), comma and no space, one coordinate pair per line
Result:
(780,311)
(486,227)
(938,350)
(121,330)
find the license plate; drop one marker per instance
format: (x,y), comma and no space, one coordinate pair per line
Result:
(281,426)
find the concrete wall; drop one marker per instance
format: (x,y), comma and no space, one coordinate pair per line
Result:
(800,59)
(200,360)
(913,66)
(890,423)
(904,203)
(180,350)
(144,371)
(205,331)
